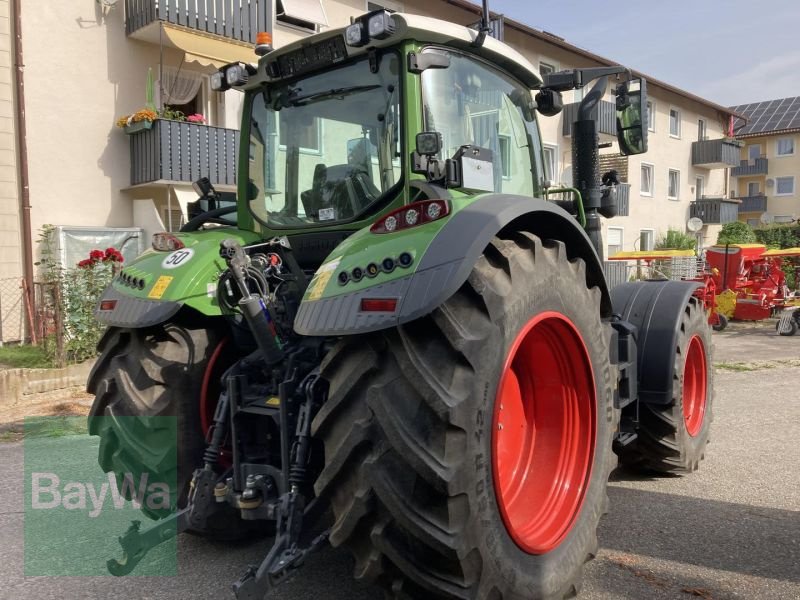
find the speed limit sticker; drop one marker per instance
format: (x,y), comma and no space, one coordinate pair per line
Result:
(177,259)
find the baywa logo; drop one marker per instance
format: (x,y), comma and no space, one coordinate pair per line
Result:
(47,493)
(82,492)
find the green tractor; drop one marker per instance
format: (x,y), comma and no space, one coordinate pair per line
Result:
(397,341)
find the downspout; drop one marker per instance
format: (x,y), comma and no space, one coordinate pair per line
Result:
(22,145)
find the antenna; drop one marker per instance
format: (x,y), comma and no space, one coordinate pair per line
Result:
(485,26)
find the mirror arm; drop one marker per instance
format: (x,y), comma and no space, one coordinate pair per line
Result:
(577,78)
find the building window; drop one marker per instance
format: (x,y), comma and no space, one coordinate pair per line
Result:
(754,222)
(614,239)
(385,5)
(783,219)
(308,136)
(784,147)
(699,187)
(646,239)
(753,188)
(647,180)
(753,152)
(651,116)
(674,187)
(550,162)
(701,130)
(674,122)
(546,67)
(784,186)
(304,14)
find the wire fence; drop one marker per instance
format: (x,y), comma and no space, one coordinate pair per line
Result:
(40,322)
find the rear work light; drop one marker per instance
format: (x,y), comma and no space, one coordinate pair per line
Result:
(378,304)
(166,242)
(411,215)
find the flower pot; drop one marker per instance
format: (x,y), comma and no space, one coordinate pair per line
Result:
(138,126)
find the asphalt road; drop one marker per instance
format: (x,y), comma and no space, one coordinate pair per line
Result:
(732,530)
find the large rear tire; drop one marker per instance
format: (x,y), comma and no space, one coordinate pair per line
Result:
(419,470)
(157,371)
(673,437)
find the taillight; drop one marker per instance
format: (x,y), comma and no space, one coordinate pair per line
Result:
(412,215)
(378,304)
(108,304)
(166,242)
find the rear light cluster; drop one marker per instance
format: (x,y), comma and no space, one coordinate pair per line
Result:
(131,281)
(412,215)
(387,265)
(166,242)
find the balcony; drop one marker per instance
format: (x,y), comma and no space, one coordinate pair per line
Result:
(716,154)
(715,211)
(752,204)
(749,168)
(175,151)
(604,114)
(238,20)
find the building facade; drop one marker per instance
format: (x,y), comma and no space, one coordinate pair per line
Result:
(767,177)
(89,62)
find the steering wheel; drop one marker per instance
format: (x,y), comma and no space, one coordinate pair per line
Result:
(211,216)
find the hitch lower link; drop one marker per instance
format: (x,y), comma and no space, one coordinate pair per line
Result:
(289,511)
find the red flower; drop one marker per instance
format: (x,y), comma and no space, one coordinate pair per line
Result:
(96,255)
(86,263)
(113,255)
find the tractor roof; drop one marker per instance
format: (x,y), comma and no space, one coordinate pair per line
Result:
(425,30)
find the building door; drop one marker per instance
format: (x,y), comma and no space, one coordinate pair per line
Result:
(753,188)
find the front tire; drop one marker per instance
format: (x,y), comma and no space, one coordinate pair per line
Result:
(420,492)
(672,437)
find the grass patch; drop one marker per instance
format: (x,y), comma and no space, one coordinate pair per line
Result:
(757,365)
(39,427)
(24,357)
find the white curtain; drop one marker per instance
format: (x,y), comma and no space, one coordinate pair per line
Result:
(179,86)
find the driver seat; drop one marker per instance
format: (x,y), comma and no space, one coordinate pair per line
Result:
(346,189)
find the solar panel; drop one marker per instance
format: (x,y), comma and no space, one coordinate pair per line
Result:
(768,116)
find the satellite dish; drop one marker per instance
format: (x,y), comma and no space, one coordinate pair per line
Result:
(766,218)
(107,3)
(770,182)
(694,224)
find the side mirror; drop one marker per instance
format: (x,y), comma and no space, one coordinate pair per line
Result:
(632,117)
(429,143)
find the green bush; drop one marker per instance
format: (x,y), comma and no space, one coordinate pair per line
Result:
(675,239)
(736,233)
(779,236)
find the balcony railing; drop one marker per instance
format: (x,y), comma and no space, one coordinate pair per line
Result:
(747,168)
(179,151)
(749,204)
(233,19)
(715,210)
(604,113)
(716,154)
(623,197)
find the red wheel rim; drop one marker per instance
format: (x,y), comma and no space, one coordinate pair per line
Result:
(207,404)
(544,432)
(694,386)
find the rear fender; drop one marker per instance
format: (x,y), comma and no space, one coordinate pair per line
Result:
(655,308)
(443,265)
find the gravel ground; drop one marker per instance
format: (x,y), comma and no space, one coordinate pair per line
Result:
(730,531)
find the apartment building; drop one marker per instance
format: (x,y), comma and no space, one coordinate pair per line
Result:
(767,177)
(88,62)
